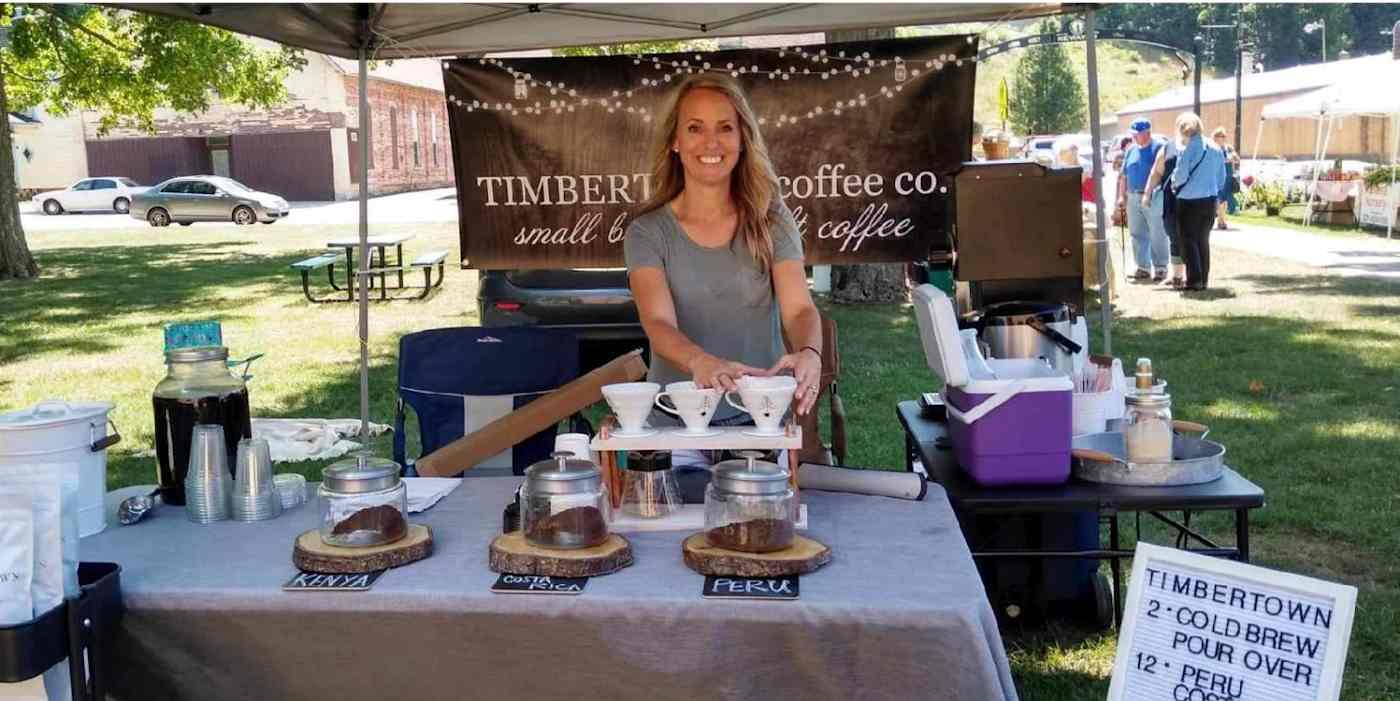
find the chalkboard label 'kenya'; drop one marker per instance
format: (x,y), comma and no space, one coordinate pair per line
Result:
(1203,628)
(314,581)
(538,584)
(782,588)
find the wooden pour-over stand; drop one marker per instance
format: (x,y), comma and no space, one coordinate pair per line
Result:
(728,438)
(805,555)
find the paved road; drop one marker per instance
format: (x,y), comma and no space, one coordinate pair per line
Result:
(1369,256)
(423,206)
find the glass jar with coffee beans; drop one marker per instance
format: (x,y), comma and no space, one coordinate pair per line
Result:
(564,504)
(363,502)
(749,506)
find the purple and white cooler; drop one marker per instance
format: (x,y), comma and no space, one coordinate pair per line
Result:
(1010,421)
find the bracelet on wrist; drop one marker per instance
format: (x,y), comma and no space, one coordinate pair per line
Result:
(813,349)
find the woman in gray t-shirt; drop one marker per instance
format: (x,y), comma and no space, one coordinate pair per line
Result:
(714,257)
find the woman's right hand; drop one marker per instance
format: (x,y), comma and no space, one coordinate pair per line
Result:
(711,371)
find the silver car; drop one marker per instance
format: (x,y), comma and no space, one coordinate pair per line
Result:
(186,200)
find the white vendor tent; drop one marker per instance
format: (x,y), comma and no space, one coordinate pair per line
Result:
(1369,91)
(369,31)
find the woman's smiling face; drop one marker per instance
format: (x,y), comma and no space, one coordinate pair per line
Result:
(708,138)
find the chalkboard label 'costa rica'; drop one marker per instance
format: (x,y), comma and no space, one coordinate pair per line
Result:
(538,584)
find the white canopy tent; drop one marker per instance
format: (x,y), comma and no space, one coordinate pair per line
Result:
(369,31)
(1367,92)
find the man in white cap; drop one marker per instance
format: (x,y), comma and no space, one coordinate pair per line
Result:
(1150,245)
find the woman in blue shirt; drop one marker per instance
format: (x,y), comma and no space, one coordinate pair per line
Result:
(1199,175)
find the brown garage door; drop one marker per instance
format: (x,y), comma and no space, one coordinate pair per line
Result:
(295,165)
(148,161)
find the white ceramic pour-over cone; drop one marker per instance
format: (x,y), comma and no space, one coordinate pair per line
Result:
(631,402)
(694,405)
(766,399)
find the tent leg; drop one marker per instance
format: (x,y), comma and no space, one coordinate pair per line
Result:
(1100,242)
(1390,201)
(361,285)
(1317,163)
(1258,136)
(1317,170)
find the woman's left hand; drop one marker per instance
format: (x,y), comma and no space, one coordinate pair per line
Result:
(806,366)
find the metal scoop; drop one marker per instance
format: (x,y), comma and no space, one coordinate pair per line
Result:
(133,509)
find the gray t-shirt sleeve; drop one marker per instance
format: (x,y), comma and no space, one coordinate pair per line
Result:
(642,247)
(787,242)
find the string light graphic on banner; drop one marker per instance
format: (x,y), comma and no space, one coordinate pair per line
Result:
(565,99)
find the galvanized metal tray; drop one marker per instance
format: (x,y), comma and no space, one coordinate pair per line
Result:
(1102,457)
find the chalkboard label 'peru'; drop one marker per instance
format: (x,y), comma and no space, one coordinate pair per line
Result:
(314,581)
(1203,628)
(781,588)
(538,584)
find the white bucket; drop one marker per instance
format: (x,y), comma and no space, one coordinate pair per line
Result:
(64,432)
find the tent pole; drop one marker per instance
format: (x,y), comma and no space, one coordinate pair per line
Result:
(1317,160)
(1317,171)
(1390,201)
(1100,242)
(362,280)
(1258,136)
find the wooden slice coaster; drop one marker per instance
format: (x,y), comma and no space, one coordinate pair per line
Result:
(803,556)
(510,553)
(312,555)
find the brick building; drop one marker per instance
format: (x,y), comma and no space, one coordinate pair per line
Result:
(306,148)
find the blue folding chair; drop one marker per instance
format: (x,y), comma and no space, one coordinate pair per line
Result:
(458,380)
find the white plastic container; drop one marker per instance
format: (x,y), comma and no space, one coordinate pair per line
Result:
(72,433)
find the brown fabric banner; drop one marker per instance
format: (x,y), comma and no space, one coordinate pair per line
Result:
(551,152)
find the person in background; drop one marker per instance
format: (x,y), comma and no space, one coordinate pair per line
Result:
(1067,156)
(1144,207)
(1196,182)
(1227,203)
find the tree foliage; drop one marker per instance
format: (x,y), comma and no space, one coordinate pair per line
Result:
(1274,31)
(123,65)
(1046,97)
(632,49)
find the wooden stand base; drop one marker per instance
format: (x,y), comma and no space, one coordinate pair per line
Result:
(510,553)
(312,555)
(803,556)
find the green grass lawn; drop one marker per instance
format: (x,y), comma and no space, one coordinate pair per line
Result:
(1295,371)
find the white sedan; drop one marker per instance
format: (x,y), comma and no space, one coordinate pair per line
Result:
(106,194)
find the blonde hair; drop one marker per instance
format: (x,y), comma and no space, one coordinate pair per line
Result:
(1188,124)
(753,185)
(1219,132)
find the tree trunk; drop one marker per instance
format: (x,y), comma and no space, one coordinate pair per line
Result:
(867,284)
(15,259)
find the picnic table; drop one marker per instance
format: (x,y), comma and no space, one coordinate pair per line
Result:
(379,267)
(899,613)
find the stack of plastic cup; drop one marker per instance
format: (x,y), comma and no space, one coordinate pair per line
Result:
(207,486)
(291,488)
(255,498)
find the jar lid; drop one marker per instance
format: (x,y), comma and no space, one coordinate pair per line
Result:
(1149,400)
(360,474)
(196,355)
(563,474)
(750,476)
